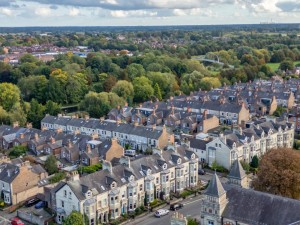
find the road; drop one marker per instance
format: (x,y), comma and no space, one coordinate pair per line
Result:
(191,209)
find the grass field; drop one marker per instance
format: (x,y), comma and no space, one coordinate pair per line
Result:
(274,66)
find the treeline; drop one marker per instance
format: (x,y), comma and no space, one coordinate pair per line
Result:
(103,81)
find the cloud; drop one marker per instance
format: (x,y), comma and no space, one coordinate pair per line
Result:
(74,12)
(42,11)
(289,6)
(6,12)
(6,2)
(132,13)
(137,4)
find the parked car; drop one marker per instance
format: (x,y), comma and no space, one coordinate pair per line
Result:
(161,212)
(130,153)
(31,202)
(176,206)
(40,204)
(201,171)
(16,221)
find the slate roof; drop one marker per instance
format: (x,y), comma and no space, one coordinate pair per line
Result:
(237,171)
(215,187)
(8,172)
(258,208)
(198,144)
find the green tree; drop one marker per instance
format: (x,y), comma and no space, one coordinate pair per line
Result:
(255,162)
(9,95)
(157,92)
(56,86)
(99,104)
(52,108)
(36,113)
(286,65)
(28,58)
(135,70)
(75,218)
(50,165)
(142,89)
(17,114)
(123,89)
(192,221)
(207,83)
(4,116)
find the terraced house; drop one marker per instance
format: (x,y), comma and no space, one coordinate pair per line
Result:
(257,138)
(137,137)
(125,187)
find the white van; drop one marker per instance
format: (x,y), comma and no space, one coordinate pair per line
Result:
(130,153)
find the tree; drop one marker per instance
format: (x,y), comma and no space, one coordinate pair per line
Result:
(142,89)
(254,162)
(17,114)
(9,95)
(286,65)
(36,113)
(28,58)
(52,108)
(278,173)
(123,89)
(4,116)
(99,104)
(50,165)
(207,83)
(75,218)
(135,70)
(192,221)
(157,92)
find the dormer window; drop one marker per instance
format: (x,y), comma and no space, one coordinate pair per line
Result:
(89,194)
(233,145)
(165,166)
(193,156)
(131,178)
(113,185)
(179,161)
(148,172)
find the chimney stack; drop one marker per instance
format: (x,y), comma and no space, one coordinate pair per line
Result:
(88,148)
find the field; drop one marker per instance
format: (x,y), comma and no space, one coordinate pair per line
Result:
(274,66)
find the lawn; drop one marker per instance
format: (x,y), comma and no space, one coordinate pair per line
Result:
(274,66)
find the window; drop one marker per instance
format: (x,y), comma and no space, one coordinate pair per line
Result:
(210,222)
(157,180)
(65,193)
(141,187)
(62,204)
(167,178)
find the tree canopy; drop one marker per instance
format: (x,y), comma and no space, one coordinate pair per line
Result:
(279,173)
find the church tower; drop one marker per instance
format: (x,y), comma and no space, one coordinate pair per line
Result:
(237,175)
(214,203)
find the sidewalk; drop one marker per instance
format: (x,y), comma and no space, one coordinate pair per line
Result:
(145,215)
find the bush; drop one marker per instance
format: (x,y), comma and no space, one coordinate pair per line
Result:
(154,203)
(186,193)
(51,164)
(89,169)
(17,151)
(57,177)
(218,168)
(2,204)
(245,166)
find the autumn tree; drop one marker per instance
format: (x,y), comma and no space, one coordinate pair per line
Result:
(279,173)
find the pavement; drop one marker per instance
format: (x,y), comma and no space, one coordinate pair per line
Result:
(191,208)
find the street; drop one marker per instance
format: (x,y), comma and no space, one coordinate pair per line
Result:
(191,209)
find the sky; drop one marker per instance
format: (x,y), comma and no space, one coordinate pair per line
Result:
(145,12)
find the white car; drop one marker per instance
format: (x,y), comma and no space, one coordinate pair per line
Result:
(161,212)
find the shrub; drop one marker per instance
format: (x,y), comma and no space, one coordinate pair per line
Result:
(153,203)
(90,169)
(57,177)
(17,151)
(218,168)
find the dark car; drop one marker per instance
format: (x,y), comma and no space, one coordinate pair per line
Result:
(176,206)
(40,204)
(201,171)
(31,202)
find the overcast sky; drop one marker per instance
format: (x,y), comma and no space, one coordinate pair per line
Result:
(145,12)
